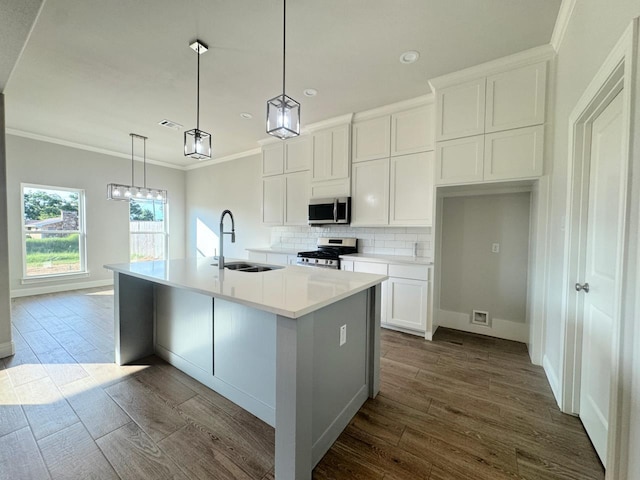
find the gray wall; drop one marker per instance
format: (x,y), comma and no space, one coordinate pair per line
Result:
(107,222)
(472,277)
(594,28)
(5,304)
(235,185)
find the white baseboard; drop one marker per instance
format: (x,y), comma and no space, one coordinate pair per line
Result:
(64,287)
(403,330)
(499,328)
(552,378)
(7,349)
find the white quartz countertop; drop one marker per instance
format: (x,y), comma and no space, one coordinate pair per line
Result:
(288,291)
(273,250)
(373,257)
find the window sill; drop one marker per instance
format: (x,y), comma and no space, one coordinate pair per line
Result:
(53,278)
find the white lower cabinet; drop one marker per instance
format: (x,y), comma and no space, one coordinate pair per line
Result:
(405,295)
(406,304)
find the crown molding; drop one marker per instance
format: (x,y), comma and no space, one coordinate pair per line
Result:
(562,22)
(394,107)
(520,59)
(80,146)
(329,123)
(227,158)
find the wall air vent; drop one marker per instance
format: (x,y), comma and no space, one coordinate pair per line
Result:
(480,318)
(170,124)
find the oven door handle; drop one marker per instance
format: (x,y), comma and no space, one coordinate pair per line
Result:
(335,210)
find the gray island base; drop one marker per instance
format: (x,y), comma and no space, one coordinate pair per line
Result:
(270,342)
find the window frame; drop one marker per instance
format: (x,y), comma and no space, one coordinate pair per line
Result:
(82,233)
(164,232)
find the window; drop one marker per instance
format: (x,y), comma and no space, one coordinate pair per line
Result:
(148,228)
(53,231)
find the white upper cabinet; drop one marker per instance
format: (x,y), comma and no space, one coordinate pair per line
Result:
(514,153)
(460,161)
(516,98)
(331,154)
(372,139)
(411,195)
(272,159)
(370,192)
(296,198)
(273,200)
(412,131)
(297,154)
(461,110)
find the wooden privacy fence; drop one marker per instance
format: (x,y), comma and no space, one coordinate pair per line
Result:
(147,240)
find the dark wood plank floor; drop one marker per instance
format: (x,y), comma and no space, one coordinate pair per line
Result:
(461,407)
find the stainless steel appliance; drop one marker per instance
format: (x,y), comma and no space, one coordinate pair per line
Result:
(327,211)
(328,253)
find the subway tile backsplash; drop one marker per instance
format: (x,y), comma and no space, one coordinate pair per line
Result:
(382,240)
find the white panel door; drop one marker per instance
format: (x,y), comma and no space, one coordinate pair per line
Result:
(370,192)
(411,196)
(460,110)
(297,154)
(516,98)
(602,272)
(371,139)
(296,203)
(460,161)
(272,159)
(413,131)
(514,154)
(273,200)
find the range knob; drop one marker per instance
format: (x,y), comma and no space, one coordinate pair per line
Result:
(316,260)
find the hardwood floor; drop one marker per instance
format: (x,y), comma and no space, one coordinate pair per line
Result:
(461,407)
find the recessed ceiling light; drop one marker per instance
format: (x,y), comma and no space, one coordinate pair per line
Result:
(246,115)
(409,57)
(310,92)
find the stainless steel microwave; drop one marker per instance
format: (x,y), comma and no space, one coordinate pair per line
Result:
(328,211)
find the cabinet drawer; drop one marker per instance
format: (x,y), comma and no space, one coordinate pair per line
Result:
(414,272)
(370,267)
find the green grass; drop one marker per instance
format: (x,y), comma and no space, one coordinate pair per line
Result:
(58,258)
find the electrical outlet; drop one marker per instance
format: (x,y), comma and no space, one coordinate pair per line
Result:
(343,335)
(495,248)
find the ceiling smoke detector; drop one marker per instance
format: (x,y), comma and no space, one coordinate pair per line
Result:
(409,57)
(170,124)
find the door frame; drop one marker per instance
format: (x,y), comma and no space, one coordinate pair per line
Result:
(618,73)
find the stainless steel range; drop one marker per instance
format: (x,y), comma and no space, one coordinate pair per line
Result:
(328,253)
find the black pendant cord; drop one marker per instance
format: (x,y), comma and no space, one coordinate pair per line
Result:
(284,41)
(198,92)
(132,182)
(144,161)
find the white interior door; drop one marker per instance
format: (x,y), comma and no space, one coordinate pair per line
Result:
(602,271)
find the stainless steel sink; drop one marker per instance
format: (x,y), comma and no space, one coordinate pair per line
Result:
(250,267)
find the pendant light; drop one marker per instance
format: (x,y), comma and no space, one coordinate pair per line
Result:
(116,191)
(283,112)
(197,144)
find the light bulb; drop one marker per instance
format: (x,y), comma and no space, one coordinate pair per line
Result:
(127,193)
(159,197)
(116,192)
(139,194)
(149,196)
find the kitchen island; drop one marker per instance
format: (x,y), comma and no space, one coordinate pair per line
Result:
(296,346)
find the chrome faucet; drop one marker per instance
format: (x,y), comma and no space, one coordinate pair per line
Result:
(222,233)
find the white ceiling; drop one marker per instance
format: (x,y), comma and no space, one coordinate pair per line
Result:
(95,70)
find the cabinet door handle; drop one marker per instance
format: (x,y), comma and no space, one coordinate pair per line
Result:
(582,286)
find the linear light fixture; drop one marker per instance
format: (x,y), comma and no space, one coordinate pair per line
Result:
(283,112)
(197,143)
(118,191)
